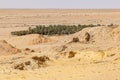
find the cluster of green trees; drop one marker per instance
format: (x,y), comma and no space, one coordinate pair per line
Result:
(53,29)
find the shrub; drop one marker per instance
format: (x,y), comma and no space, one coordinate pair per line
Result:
(75,39)
(71,54)
(110,25)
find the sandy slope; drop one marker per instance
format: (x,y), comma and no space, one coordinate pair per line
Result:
(96,59)
(71,71)
(60,57)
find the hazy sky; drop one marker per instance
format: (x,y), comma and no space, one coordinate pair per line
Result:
(60,4)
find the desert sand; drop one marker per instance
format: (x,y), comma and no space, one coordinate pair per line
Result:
(41,57)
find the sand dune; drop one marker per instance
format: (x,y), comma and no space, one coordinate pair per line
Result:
(33,39)
(7,49)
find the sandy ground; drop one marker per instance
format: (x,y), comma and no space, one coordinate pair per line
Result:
(34,57)
(11,20)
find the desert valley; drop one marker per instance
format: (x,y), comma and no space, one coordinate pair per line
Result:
(92,53)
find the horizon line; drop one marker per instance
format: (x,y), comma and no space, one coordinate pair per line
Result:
(62,8)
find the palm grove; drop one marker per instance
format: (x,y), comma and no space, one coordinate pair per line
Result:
(53,29)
